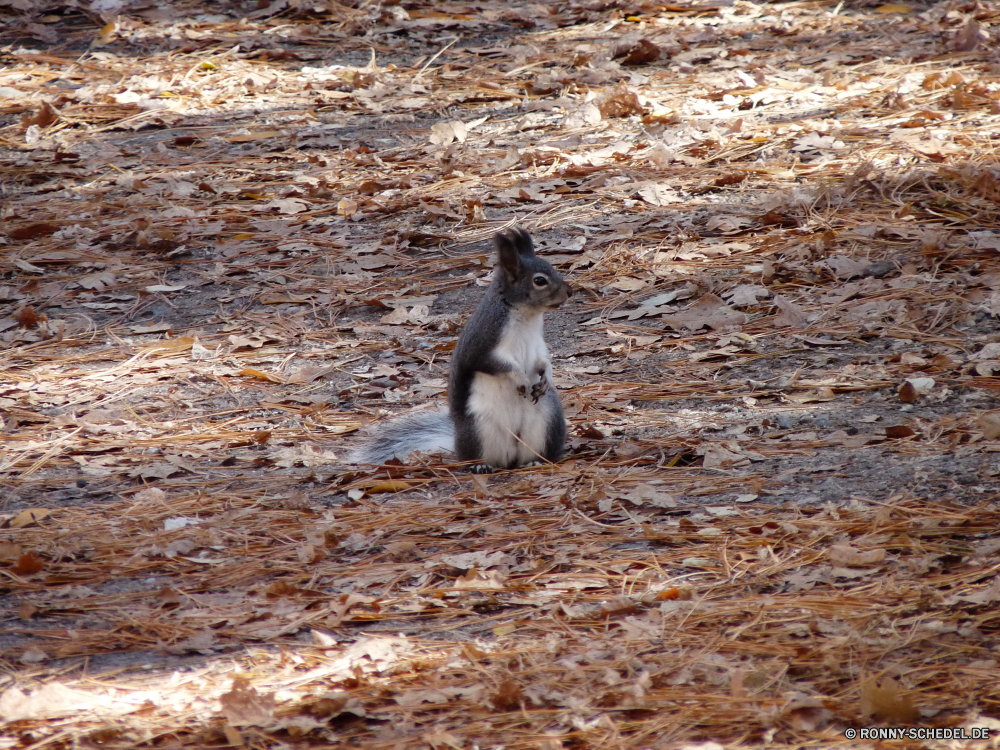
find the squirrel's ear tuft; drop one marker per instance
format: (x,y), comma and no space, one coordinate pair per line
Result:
(522,240)
(508,250)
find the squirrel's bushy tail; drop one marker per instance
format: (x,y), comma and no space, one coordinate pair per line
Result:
(421,431)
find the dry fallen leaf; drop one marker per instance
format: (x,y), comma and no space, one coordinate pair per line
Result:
(989,423)
(243,706)
(637,52)
(389,485)
(443,133)
(657,194)
(619,103)
(507,696)
(907,392)
(619,605)
(969,37)
(270,377)
(27,564)
(28,517)
(886,701)
(708,312)
(842,555)
(28,318)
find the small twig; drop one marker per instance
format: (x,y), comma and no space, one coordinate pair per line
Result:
(436,56)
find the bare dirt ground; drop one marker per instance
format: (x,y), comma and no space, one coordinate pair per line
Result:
(233,234)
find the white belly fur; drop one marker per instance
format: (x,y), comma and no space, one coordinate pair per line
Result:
(512,428)
(501,415)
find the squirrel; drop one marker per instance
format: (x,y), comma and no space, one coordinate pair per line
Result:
(503,409)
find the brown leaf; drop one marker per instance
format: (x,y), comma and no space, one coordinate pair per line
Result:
(507,696)
(844,267)
(479,580)
(943,361)
(347,207)
(309,374)
(281,588)
(627,449)
(29,516)
(324,640)
(776,218)
(158,470)
(251,372)
(28,318)
(389,485)
(843,555)
(473,654)
(333,704)
(34,231)
(97,281)
(202,642)
(168,596)
(309,553)
(619,103)
(733,178)
(808,718)
(672,594)
(44,117)
(907,393)
(403,551)
(638,52)
(619,605)
(370,187)
(26,610)
(439,738)
(989,423)
(481,486)
(899,431)
(243,706)
(233,736)
(170,346)
(443,133)
(258,136)
(660,119)
(790,314)
(967,39)
(893,8)
(151,328)
(887,702)
(726,456)
(27,564)
(708,312)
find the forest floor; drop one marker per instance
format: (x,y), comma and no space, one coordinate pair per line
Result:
(234,234)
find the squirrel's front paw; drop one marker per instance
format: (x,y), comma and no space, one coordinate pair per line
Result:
(540,388)
(524,387)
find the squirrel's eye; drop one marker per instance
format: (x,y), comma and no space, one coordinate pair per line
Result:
(540,280)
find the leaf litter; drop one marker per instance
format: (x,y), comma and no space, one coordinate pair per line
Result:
(235,236)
